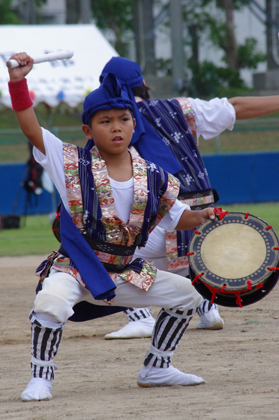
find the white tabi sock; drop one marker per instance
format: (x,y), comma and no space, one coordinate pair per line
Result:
(37,389)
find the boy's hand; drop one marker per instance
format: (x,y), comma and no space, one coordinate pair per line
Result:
(190,219)
(209,213)
(26,64)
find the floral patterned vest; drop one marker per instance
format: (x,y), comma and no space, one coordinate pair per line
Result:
(94,213)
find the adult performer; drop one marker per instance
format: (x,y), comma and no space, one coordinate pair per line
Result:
(173,123)
(94,266)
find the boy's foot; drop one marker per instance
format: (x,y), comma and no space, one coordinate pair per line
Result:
(211,320)
(134,329)
(37,389)
(150,376)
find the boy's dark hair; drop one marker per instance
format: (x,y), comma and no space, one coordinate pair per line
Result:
(142,91)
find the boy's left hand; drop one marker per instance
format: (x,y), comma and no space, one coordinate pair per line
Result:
(209,213)
(190,219)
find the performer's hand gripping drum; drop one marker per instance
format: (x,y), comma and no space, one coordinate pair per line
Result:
(234,260)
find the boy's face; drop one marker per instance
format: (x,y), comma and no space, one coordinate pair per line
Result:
(111,130)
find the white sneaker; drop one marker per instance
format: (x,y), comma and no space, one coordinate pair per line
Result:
(211,320)
(150,376)
(37,389)
(134,329)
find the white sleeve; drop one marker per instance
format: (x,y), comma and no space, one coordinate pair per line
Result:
(171,219)
(213,117)
(53,163)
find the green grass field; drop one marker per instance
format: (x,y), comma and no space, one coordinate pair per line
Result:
(35,237)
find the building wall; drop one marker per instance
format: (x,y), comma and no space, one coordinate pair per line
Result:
(54,12)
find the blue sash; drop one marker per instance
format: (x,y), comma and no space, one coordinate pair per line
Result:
(94,275)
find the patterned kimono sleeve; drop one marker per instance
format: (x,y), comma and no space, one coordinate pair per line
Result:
(168,198)
(189,114)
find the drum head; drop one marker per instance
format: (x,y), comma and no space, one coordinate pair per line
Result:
(230,259)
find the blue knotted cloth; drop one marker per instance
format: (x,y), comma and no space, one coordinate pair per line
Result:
(129,75)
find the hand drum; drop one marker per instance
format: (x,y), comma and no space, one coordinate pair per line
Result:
(234,259)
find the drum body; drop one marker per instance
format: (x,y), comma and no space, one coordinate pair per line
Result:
(234,259)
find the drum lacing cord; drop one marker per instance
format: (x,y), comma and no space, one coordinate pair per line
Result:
(221,213)
(197,277)
(57,214)
(56,217)
(214,291)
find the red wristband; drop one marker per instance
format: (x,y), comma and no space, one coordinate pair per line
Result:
(20,95)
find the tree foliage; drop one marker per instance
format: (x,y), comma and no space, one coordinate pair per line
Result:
(7,15)
(248,56)
(10,12)
(209,80)
(116,15)
(214,22)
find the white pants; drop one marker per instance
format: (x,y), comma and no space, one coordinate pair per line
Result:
(61,292)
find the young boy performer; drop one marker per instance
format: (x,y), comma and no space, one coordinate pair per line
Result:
(164,134)
(110,203)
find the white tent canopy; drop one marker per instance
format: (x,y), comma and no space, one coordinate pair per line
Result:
(58,81)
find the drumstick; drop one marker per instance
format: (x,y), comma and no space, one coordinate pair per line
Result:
(59,55)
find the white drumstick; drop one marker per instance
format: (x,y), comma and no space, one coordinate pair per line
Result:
(59,55)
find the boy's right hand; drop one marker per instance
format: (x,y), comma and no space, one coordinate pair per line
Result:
(26,64)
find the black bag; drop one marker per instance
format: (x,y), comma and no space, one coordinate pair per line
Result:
(11,221)
(32,181)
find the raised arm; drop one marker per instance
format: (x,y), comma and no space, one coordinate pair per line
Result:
(248,107)
(193,218)
(21,101)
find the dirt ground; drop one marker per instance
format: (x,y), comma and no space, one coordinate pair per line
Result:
(96,378)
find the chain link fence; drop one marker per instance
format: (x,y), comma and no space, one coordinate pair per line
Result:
(260,134)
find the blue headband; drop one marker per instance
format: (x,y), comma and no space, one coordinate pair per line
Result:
(125,70)
(129,75)
(109,95)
